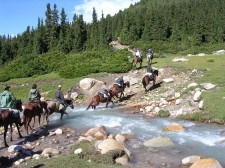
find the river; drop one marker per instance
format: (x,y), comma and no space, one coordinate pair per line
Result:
(197,139)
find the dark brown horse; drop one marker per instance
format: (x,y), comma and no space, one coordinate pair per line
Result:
(137,60)
(115,90)
(149,58)
(99,99)
(147,79)
(31,110)
(8,117)
(53,106)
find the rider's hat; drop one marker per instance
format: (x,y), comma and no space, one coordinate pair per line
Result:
(59,86)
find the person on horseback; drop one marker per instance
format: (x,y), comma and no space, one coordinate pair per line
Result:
(119,81)
(104,91)
(7,100)
(150,54)
(35,96)
(138,54)
(60,97)
(150,72)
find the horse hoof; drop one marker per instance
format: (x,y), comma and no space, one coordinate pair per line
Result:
(6,145)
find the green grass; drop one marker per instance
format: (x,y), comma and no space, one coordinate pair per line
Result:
(62,161)
(88,158)
(214,103)
(46,83)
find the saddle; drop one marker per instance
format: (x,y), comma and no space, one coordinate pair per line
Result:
(102,96)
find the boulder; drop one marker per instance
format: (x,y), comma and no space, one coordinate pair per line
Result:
(50,151)
(206,163)
(168,80)
(197,96)
(109,145)
(208,86)
(93,131)
(174,127)
(15,148)
(190,159)
(87,83)
(159,142)
(179,60)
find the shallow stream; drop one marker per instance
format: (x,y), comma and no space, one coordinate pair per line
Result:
(196,139)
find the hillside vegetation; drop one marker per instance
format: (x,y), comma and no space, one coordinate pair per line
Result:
(59,52)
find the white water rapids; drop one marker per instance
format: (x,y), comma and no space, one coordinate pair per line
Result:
(196,139)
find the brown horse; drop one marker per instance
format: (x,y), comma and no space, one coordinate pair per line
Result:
(7,117)
(147,79)
(115,90)
(137,60)
(99,99)
(53,106)
(149,58)
(31,110)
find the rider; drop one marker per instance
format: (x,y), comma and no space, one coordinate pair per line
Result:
(35,96)
(150,72)
(120,81)
(104,91)
(138,54)
(7,100)
(60,97)
(150,54)
(150,51)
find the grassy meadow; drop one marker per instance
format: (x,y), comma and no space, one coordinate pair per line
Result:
(212,66)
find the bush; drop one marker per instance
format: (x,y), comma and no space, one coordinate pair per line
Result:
(164,113)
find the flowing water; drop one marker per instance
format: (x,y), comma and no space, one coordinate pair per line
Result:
(197,138)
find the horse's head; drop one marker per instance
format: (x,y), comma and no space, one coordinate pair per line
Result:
(156,72)
(70,103)
(127,84)
(18,105)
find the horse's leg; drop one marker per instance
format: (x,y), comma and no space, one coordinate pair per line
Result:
(28,124)
(34,121)
(11,131)
(39,120)
(18,131)
(5,131)
(106,104)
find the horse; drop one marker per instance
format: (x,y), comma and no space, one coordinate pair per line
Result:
(149,58)
(136,60)
(99,98)
(147,79)
(53,106)
(8,117)
(32,109)
(116,89)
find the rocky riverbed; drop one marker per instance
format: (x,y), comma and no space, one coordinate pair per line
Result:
(175,92)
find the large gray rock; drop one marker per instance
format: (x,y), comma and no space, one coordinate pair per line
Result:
(87,83)
(15,148)
(159,142)
(50,151)
(109,145)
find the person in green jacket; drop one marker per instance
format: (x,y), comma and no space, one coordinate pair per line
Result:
(7,102)
(7,98)
(34,94)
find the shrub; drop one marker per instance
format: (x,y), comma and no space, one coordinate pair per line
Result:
(163,113)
